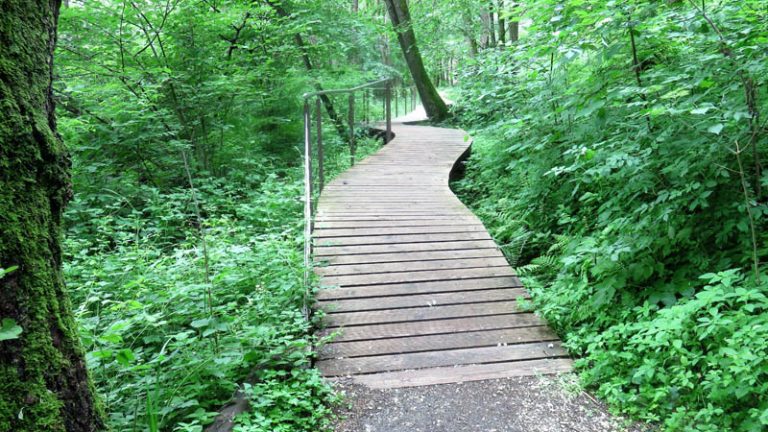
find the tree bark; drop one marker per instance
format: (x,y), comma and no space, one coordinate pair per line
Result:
(502,24)
(491,25)
(44,383)
(430,98)
(514,31)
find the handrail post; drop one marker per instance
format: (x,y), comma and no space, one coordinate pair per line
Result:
(397,105)
(320,152)
(352,128)
(388,111)
(307,205)
(384,106)
(406,96)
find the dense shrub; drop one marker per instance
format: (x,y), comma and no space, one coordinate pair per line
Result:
(634,203)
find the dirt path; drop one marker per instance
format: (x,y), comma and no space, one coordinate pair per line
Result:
(523,404)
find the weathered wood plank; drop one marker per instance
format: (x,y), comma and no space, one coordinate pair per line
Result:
(321,252)
(389,231)
(458,374)
(423,265)
(321,226)
(420,314)
(404,257)
(418,288)
(421,300)
(416,276)
(437,342)
(361,365)
(454,325)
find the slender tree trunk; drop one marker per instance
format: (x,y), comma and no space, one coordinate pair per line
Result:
(514,31)
(468,34)
(44,383)
(355,6)
(337,121)
(502,24)
(491,25)
(430,98)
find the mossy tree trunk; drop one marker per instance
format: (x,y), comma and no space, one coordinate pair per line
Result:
(44,384)
(430,98)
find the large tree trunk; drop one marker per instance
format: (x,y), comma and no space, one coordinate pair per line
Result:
(44,384)
(430,98)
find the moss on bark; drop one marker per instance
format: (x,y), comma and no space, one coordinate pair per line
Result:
(44,384)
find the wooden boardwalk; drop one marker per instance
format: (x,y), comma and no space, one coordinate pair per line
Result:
(413,284)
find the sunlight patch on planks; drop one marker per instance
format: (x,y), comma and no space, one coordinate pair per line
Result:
(414,289)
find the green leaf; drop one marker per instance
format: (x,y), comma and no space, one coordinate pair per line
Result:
(10,269)
(200,323)
(700,111)
(716,128)
(9,330)
(125,357)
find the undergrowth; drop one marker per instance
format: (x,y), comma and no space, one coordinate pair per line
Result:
(632,204)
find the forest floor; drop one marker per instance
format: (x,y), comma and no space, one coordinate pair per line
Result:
(520,404)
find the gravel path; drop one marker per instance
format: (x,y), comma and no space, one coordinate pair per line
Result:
(524,404)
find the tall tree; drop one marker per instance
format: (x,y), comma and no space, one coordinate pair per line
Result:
(502,24)
(44,384)
(400,16)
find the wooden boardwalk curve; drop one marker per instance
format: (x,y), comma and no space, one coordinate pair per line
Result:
(413,284)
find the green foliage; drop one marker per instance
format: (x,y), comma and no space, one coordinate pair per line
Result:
(611,174)
(9,329)
(184,240)
(288,401)
(165,346)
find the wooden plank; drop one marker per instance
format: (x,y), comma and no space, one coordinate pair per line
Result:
(325,225)
(421,300)
(321,252)
(405,257)
(437,342)
(430,359)
(401,238)
(390,218)
(453,325)
(459,374)
(422,265)
(425,313)
(389,231)
(411,288)
(392,213)
(416,276)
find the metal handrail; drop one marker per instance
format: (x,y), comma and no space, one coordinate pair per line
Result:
(349,90)
(308,181)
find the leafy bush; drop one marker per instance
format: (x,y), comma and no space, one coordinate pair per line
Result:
(167,344)
(618,158)
(184,241)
